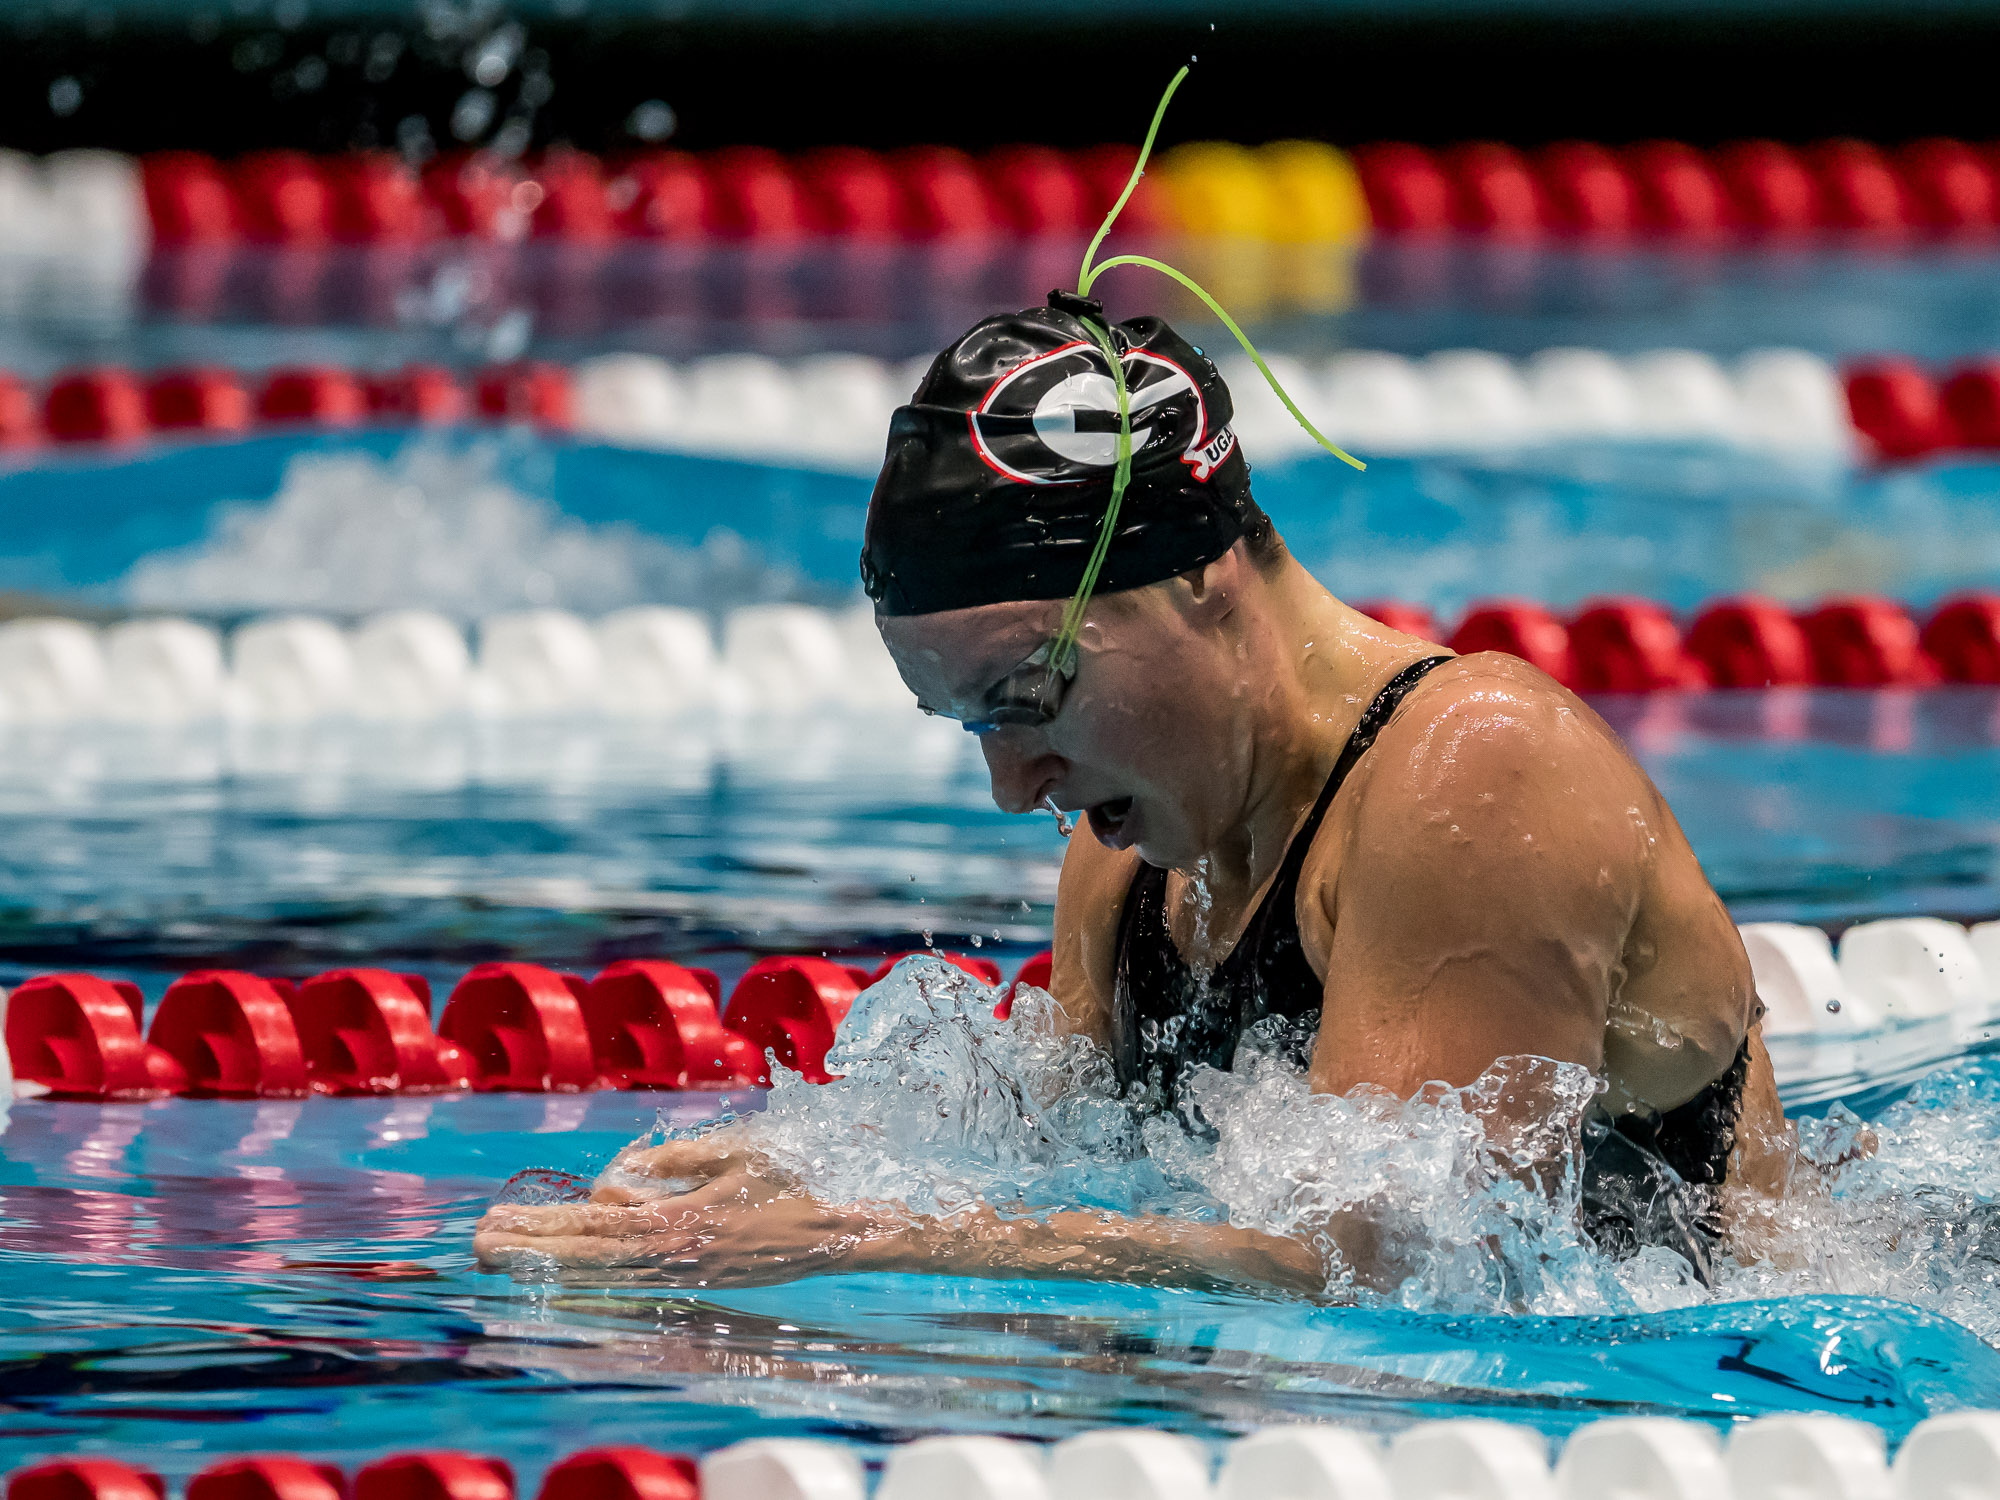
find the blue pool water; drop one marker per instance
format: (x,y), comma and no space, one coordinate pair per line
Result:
(191,1278)
(575,843)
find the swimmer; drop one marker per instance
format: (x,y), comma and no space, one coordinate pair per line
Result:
(1404,863)
(1399,865)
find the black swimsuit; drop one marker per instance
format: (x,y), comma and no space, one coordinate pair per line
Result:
(1167,1018)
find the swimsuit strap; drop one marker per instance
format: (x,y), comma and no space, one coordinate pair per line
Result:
(1284,889)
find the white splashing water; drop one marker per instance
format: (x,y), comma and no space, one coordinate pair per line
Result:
(942,1107)
(437,527)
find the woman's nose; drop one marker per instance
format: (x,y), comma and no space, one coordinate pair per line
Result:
(1021,769)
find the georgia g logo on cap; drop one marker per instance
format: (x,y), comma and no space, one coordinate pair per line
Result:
(1053,418)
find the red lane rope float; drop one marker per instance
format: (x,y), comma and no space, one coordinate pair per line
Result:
(664,196)
(85,1479)
(1771,194)
(1896,405)
(1951,188)
(78,1036)
(436,1475)
(790,1008)
(105,405)
(232,1034)
(428,395)
(1588,192)
(1750,643)
(368,1031)
(653,1024)
(315,395)
(199,400)
(1963,638)
(521,1029)
(851,193)
(622,1474)
(531,391)
(1865,642)
(273,1477)
(188,199)
(1631,646)
(1495,193)
(1677,191)
(376,200)
(20,414)
(1525,630)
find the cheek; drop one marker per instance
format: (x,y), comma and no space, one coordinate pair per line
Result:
(1135,722)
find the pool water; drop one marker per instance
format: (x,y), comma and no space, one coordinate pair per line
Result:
(303,847)
(191,1278)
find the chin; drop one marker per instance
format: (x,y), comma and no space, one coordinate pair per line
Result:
(1164,851)
(1136,831)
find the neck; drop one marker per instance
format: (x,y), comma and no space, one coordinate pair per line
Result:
(1319,665)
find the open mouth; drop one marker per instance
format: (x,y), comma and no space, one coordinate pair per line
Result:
(1107,820)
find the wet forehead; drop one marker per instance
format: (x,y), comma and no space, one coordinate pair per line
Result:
(959,654)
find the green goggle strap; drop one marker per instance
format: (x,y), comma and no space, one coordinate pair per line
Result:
(1062,655)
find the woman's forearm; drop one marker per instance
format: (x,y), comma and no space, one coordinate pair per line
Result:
(1087,1246)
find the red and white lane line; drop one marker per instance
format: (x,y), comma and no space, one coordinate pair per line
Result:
(1808,1456)
(777,661)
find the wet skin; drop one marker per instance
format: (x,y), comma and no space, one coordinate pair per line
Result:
(1497,877)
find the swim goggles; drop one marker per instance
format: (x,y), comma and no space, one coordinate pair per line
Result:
(1029,697)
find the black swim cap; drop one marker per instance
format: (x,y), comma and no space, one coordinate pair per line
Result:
(999,471)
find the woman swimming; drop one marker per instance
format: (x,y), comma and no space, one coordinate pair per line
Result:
(1398,864)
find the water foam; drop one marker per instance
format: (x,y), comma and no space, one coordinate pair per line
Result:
(439,525)
(1473,1191)
(1904,1206)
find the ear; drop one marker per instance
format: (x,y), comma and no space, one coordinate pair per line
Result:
(1209,594)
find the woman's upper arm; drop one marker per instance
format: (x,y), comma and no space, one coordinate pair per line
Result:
(1484,884)
(1090,898)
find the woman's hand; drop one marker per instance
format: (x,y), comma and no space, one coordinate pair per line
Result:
(714,1212)
(703,1212)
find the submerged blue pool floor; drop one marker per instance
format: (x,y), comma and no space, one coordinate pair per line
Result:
(192,1278)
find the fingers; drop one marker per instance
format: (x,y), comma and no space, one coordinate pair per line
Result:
(734,1231)
(565,1220)
(620,1215)
(659,1261)
(691,1161)
(513,1252)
